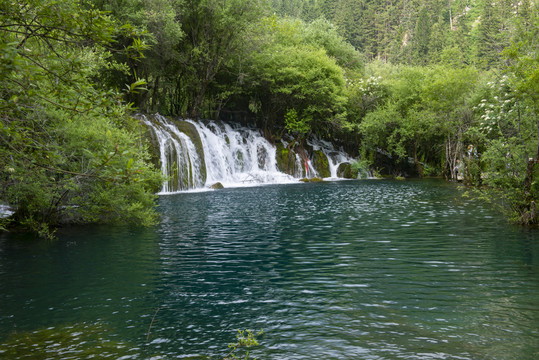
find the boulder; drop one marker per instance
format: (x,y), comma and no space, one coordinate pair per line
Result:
(217,185)
(286,159)
(346,171)
(320,163)
(315,179)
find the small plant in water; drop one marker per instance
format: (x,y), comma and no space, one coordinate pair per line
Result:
(245,340)
(362,166)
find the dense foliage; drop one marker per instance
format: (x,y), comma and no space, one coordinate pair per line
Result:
(419,88)
(68,150)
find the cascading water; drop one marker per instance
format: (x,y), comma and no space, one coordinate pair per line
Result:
(335,157)
(180,162)
(303,167)
(199,154)
(238,156)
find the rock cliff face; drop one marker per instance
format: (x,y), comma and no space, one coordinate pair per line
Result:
(198,154)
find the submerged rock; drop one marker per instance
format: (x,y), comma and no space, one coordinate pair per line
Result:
(314,179)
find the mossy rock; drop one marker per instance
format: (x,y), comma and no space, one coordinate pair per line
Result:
(346,171)
(314,179)
(217,186)
(286,159)
(321,163)
(190,130)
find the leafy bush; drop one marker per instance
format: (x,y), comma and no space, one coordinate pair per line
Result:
(68,149)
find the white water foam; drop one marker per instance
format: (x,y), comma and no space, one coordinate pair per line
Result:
(234,156)
(178,156)
(238,156)
(335,157)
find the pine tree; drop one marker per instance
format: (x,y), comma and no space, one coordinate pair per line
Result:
(492,33)
(421,37)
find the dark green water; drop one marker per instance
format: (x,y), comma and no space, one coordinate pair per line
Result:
(346,270)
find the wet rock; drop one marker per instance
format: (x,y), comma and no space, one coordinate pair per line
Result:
(217,185)
(346,171)
(286,159)
(321,164)
(314,179)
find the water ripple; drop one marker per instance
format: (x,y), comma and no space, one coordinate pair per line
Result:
(369,270)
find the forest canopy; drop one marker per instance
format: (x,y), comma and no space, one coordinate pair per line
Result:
(418,88)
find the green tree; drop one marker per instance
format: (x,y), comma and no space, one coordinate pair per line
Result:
(509,109)
(446,94)
(364,96)
(321,33)
(493,33)
(422,37)
(423,116)
(299,66)
(68,150)
(160,64)
(305,79)
(214,36)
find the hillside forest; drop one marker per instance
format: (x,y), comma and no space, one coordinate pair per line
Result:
(418,88)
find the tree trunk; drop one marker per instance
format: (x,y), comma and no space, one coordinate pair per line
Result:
(155,96)
(418,165)
(452,150)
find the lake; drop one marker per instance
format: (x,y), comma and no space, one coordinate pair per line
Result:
(337,270)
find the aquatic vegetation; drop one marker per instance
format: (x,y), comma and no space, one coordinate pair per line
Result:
(245,340)
(75,341)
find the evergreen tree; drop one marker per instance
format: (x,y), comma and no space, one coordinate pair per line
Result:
(490,41)
(421,38)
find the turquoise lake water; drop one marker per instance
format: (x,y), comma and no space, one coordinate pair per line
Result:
(336,270)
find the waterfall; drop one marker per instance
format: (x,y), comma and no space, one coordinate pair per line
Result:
(180,161)
(335,157)
(303,167)
(238,156)
(198,154)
